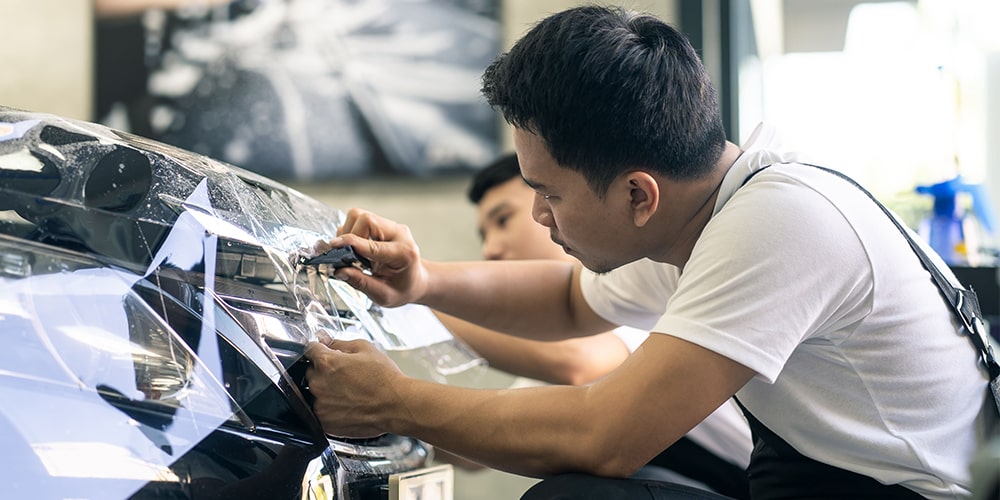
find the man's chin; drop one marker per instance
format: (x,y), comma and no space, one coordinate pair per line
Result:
(598,269)
(604,267)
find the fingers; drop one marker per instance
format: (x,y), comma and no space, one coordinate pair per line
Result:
(345,380)
(362,283)
(324,337)
(396,275)
(374,251)
(376,239)
(316,349)
(321,246)
(367,225)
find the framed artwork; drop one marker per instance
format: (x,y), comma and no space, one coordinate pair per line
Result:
(308,89)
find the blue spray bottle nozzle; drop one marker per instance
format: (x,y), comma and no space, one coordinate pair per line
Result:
(944,228)
(945,194)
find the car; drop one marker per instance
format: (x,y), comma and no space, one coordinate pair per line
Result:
(154,309)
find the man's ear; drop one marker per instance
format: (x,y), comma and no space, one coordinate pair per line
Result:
(644,196)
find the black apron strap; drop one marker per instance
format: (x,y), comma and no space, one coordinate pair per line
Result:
(964,303)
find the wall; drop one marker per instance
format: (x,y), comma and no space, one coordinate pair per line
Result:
(47,69)
(993,135)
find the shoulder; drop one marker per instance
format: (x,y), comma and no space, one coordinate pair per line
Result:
(634,294)
(779,263)
(790,210)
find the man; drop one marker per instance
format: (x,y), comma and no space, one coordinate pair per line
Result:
(713,455)
(789,289)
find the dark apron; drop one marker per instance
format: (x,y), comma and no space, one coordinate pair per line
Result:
(778,471)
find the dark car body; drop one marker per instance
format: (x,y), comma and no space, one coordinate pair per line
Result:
(153,313)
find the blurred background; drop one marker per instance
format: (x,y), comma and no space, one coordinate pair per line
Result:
(375,103)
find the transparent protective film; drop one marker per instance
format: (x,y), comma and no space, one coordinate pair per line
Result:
(95,386)
(267,232)
(268,248)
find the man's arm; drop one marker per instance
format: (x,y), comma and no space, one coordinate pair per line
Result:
(609,428)
(572,362)
(537,299)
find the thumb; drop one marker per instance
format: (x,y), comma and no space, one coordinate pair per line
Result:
(368,285)
(314,349)
(348,346)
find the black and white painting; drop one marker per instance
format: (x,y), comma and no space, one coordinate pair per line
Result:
(310,89)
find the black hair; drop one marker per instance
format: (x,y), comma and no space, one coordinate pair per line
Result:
(609,90)
(500,171)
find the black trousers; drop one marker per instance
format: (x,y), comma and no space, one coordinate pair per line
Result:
(587,487)
(693,461)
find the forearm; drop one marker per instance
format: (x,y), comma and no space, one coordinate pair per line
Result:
(610,428)
(531,299)
(574,361)
(534,431)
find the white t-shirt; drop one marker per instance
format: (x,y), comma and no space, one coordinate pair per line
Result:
(800,277)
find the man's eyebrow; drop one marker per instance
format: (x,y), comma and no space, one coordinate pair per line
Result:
(532,184)
(497,209)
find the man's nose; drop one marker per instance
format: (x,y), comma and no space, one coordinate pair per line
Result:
(540,211)
(492,248)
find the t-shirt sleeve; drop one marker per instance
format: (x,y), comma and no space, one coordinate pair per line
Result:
(633,295)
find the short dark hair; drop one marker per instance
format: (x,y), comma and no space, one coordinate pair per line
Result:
(500,171)
(609,90)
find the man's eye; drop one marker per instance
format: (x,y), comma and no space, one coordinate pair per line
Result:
(502,220)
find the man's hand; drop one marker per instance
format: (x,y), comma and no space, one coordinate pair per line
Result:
(398,275)
(352,382)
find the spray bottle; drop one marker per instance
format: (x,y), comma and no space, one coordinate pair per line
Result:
(951,232)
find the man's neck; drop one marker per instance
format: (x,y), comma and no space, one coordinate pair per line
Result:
(691,231)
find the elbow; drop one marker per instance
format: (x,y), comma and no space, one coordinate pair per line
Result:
(617,466)
(563,366)
(622,463)
(576,366)
(606,457)
(569,372)
(578,375)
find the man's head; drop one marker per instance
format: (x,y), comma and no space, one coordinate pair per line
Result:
(504,204)
(616,130)
(609,91)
